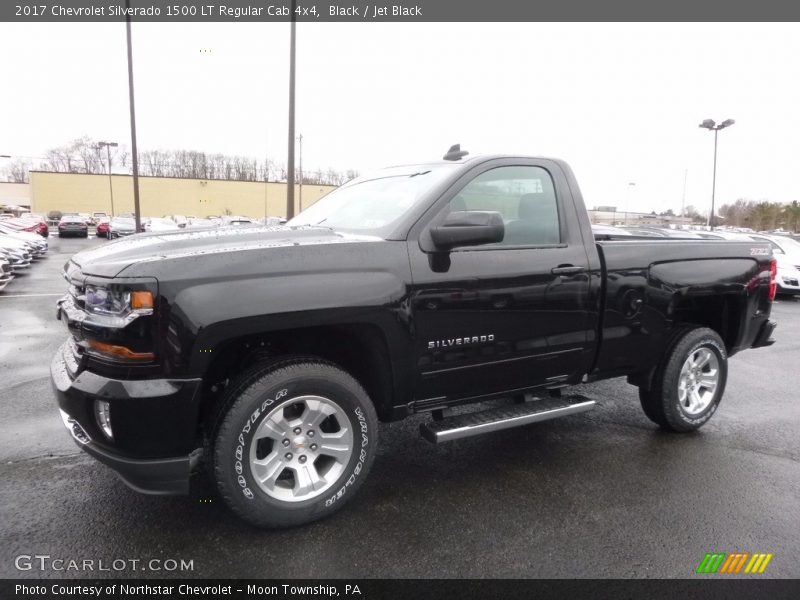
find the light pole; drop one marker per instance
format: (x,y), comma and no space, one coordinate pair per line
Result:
(300,152)
(290,158)
(108,146)
(137,213)
(712,126)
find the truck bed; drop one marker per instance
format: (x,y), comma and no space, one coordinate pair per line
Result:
(649,285)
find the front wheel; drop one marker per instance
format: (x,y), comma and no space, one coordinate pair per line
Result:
(689,382)
(296,443)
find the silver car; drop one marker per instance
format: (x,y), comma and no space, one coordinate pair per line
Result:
(121,226)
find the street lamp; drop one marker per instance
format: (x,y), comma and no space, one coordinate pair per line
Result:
(300,142)
(108,146)
(712,126)
(290,157)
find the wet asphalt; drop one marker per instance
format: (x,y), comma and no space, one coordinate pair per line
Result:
(600,494)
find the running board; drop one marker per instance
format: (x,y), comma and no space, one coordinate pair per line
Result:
(505,417)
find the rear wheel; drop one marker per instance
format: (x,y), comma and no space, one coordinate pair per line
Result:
(296,443)
(689,382)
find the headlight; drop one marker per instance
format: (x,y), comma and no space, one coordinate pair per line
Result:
(118,303)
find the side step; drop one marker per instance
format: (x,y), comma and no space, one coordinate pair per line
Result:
(505,417)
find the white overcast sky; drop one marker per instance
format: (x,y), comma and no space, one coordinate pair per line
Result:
(620,102)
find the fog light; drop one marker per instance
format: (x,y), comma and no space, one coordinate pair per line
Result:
(102,413)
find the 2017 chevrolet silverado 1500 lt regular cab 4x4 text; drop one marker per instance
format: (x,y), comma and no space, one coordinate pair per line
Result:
(269,354)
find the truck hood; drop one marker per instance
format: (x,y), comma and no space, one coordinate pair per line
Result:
(111,259)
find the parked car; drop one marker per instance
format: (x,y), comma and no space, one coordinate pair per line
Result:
(98,216)
(73,225)
(179,220)
(607,232)
(38,244)
(272,221)
(237,221)
(35,224)
(32,247)
(156,224)
(6,276)
(102,227)
(199,223)
(273,353)
(121,226)
(19,257)
(644,231)
(787,252)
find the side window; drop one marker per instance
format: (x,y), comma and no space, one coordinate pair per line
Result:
(524,196)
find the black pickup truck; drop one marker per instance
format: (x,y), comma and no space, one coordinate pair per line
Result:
(269,354)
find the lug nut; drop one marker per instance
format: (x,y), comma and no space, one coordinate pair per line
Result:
(314,447)
(288,456)
(286,442)
(302,459)
(310,433)
(297,431)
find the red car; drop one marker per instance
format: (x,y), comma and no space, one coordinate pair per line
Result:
(103,227)
(32,224)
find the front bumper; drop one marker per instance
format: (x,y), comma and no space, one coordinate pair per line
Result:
(154,423)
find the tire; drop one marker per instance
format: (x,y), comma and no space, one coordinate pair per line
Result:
(274,418)
(689,382)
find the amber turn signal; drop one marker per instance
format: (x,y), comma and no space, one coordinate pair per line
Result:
(119,351)
(141,300)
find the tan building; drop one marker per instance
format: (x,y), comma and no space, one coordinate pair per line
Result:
(159,196)
(15,195)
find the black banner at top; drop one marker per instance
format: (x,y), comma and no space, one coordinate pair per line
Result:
(373,11)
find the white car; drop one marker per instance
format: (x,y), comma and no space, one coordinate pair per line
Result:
(787,252)
(156,224)
(26,236)
(5,272)
(179,220)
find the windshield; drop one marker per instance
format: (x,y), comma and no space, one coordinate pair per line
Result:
(373,202)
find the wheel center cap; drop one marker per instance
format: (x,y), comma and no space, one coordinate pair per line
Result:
(299,442)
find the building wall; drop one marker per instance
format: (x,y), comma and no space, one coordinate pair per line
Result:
(15,194)
(159,196)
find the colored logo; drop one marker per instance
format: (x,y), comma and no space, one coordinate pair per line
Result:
(737,562)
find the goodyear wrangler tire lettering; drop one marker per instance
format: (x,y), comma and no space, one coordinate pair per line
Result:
(296,442)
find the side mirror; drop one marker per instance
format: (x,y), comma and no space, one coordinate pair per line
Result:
(468,228)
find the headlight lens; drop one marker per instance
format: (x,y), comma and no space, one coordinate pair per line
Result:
(117,303)
(102,301)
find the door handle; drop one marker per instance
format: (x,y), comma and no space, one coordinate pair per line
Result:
(567,270)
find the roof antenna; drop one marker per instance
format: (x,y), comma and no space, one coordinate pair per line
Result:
(455,153)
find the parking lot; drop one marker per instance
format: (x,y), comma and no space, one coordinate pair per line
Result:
(601,494)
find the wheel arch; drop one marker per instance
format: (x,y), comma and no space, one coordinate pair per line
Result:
(360,349)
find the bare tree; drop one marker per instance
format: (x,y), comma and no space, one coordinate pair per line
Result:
(17,171)
(83,155)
